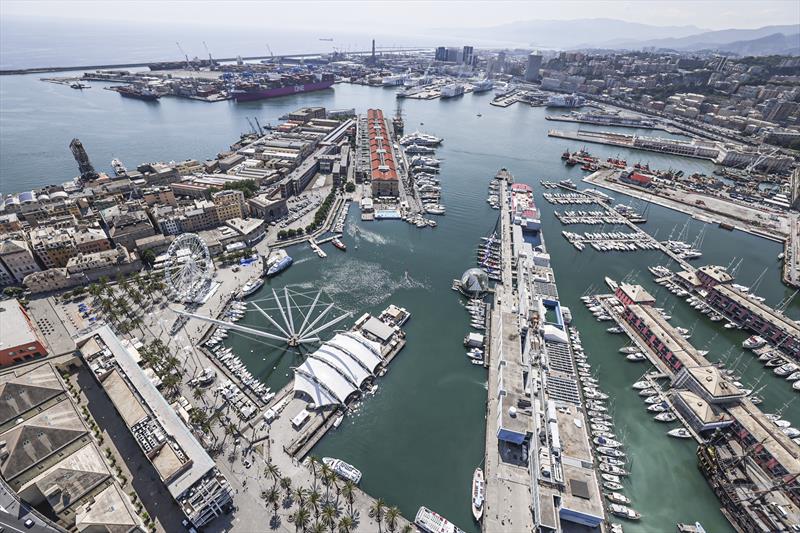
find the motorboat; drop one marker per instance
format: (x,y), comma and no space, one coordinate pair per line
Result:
(679,433)
(609,443)
(617,497)
(641,385)
(635,357)
(250,287)
(623,512)
(611,452)
(754,342)
(478,493)
(611,485)
(611,469)
(344,470)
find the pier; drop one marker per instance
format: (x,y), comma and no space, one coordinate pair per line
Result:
(695,148)
(537,439)
(717,414)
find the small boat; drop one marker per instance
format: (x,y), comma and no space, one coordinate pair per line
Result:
(635,357)
(611,283)
(478,493)
(251,287)
(623,512)
(611,452)
(611,461)
(614,470)
(610,485)
(338,421)
(339,244)
(629,349)
(432,522)
(344,470)
(641,385)
(754,342)
(610,443)
(611,478)
(648,392)
(617,497)
(657,407)
(679,433)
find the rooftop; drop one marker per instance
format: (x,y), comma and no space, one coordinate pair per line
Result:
(17,329)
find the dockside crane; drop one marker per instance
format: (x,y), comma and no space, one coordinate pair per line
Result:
(260,130)
(185,55)
(250,122)
(210,59)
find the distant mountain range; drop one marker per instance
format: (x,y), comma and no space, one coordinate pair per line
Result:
(622,35)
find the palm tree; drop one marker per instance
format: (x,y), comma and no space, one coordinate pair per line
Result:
(299,495)
(313,464)
(392,514)
(407,529)
(272,471)
(329,516)
(345,524)
(273,498)
(313,500)
(317,528)
(300,519)
(348,491)
(376,511)
(198,395)
(286,484)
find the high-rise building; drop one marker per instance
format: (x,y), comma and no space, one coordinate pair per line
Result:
(467,55)
(453,55)
(534,64)
(441,53)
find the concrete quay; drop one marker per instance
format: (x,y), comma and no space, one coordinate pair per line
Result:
(712,210)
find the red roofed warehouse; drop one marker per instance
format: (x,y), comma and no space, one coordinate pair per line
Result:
(383,172)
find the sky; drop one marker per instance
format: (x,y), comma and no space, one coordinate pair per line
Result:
(414,15)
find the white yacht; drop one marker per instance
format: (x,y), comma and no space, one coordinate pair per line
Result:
(342,469)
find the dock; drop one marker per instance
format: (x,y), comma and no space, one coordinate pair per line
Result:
(718,415)
(537,440)
(695,148)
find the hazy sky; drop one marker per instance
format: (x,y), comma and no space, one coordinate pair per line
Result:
(416,15)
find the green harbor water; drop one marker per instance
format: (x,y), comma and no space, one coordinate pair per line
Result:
(419,438)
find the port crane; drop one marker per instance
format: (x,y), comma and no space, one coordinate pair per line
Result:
(185,55)
(210,59)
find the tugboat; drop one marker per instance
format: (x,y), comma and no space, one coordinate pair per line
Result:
(339,244)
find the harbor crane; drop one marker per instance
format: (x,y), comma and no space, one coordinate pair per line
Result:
(252,128)
(210,59)
(185,55)
(760,159)
(260,129)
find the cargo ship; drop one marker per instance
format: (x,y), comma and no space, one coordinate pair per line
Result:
(283,86)
(139,93)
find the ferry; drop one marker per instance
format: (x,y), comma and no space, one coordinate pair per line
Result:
(251,286)
(119,168)
(278,262)
(344,470)
(478,493)
(339,244)
(394,315)
(432,522)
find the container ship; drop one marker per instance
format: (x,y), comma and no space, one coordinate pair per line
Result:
(282,86)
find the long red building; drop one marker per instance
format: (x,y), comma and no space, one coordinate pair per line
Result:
(383,169)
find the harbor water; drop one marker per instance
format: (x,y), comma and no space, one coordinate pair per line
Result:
(418,439)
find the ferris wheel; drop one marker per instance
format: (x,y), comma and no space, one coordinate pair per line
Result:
(189,267)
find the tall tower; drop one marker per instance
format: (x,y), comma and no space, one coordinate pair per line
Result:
(84,165)
(534,64)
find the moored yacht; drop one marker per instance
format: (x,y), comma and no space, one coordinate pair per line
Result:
(343,470)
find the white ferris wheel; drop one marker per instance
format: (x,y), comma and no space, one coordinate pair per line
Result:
(189,267)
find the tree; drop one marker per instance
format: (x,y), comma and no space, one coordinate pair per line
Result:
(350,186)
(148,258)
(348,491)
(273,499)
(313,465)
(329,516)
(299,495)
(272,471)
(286,484)
(313,501)
(376,511)
(248,187)
(392,514)
(300,519)
(408,528)
(346,524)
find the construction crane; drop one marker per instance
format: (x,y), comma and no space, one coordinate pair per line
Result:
(210,59)
(760,159)
(185,55)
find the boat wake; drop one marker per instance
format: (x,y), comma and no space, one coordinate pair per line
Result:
(369,236)
(355,285)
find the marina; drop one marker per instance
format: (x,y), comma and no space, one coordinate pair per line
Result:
(379,426)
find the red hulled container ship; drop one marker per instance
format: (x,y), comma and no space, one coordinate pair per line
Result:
(283,86)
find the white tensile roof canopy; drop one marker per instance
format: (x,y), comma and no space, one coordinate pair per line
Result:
(337,369)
